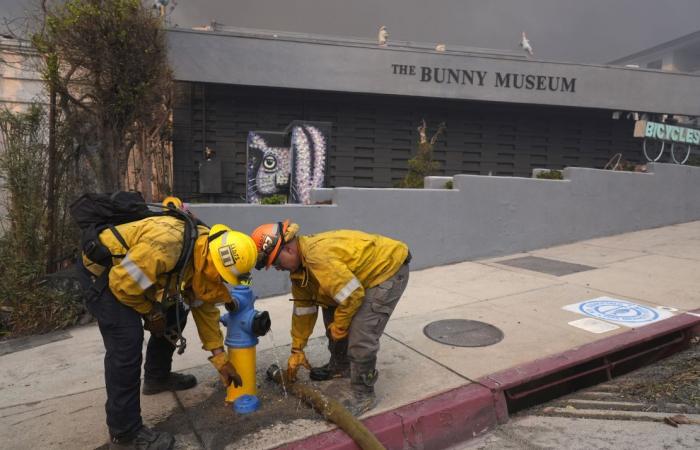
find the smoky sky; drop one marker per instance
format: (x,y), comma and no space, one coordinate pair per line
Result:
(588,31)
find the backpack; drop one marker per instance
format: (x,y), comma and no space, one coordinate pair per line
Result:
(96,212)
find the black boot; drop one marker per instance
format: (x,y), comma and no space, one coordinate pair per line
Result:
(173,382)
(144,439)
(338,366)
(362,381)
(332,369)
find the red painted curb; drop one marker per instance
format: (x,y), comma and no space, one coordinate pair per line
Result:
(539,368)
(462,413)
(432,423)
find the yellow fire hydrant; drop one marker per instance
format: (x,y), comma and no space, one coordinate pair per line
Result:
(243,326)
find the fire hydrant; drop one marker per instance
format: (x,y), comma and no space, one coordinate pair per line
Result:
(243,326)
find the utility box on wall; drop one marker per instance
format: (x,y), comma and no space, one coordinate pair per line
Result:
(210,177)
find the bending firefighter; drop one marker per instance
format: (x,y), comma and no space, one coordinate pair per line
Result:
(135,284)
(357,279)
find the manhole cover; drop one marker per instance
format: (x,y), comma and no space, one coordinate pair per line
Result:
(463,333)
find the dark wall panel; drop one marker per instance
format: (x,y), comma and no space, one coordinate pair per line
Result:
(373,136)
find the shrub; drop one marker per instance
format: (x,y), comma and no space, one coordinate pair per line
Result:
(422,165)
(551,175)
(276,199)
(27,304)
(693,160)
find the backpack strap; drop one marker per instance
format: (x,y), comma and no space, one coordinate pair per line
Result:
(120,238)
(95,250)
(190,236)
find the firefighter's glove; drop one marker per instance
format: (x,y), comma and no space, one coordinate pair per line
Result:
(155,321)
(337,333)
(226,370)
(296,359)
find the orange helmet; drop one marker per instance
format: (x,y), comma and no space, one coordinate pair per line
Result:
(269,239)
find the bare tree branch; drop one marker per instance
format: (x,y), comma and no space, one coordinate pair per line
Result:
(110,68)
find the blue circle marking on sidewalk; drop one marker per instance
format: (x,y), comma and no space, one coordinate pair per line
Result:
(619,311)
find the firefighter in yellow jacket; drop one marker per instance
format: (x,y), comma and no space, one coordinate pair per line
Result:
(144,254)
(357,279)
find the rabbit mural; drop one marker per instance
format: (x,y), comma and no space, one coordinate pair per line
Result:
(268,166)
(292,170)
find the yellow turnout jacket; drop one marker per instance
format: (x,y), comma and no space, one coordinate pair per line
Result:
(139,278)
(336,269)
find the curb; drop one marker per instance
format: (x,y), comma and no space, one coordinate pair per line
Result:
(435,422)
(471,410)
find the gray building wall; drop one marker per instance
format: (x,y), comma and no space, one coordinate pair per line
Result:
(374,136)
(20,86)
(20,80)
(486,216)
(293,62)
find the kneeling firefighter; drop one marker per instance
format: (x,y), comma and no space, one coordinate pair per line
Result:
(155,269)
(357,279)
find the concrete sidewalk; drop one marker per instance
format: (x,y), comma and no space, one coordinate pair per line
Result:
(52,395)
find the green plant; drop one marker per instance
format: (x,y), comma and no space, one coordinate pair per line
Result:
(276,199)
(27,305)
(23,166)
(422,165)
(551,175)
(449,184)
(693,160)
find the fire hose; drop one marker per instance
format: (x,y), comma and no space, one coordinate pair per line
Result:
(329,408)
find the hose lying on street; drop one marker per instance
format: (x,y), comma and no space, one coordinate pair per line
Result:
(329,408)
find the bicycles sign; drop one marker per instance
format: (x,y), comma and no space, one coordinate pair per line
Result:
(657,135)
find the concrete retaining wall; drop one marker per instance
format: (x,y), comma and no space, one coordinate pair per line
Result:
(485,216)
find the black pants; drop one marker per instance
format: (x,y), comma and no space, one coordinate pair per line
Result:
(122,334)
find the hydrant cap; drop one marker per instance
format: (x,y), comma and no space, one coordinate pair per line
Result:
(246,404)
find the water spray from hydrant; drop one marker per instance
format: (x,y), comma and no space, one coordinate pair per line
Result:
(277,360)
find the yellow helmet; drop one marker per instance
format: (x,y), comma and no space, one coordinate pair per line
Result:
(233,253)
(172,201)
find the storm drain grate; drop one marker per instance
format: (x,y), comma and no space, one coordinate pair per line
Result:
(601,368)
(463,333)
(544,265)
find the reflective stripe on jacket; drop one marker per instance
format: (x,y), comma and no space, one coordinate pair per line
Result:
(336,269)
(139,278)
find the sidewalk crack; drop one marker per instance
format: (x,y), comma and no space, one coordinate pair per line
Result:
(436,362)
(34,417)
